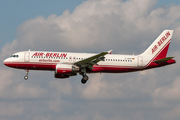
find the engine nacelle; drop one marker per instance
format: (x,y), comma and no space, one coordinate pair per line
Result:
(66,69)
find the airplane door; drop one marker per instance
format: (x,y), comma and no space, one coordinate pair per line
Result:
(140,61)
(26,56)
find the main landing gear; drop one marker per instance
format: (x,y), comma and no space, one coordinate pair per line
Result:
(26,77)
(84,76)
(84,79)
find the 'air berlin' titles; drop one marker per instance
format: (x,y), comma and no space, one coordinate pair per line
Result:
(41,54)
(160,42)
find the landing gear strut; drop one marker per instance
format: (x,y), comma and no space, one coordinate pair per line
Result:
(84,79)
(26,77)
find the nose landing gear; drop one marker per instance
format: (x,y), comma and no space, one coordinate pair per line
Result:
(26,77)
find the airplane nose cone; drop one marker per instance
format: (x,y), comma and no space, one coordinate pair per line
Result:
(9,63)
(5,62)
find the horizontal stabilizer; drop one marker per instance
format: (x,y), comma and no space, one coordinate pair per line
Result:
(162,60)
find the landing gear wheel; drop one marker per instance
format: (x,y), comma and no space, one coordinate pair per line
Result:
(26,77)
(84,79)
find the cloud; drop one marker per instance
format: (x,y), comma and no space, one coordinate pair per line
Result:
(168,93)
(95,25)
(89,25)
(11,109)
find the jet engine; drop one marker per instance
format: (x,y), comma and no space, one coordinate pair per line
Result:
(65,70)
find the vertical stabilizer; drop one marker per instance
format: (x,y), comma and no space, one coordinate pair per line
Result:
(159,48)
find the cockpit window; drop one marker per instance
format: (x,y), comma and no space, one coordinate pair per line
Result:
(16,56)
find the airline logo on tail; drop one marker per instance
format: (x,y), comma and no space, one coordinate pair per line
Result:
(160,42)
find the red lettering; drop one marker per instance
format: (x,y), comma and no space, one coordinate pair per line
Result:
(160,42)
(50,55)
(64,55)
(40,54)
(168,34)
(55,54)
(163,39)
(35,54)
(154,48)
(47,54)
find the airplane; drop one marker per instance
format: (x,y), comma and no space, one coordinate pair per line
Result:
(67,64)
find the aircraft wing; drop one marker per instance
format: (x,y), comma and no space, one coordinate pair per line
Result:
(89,62)
(162,60)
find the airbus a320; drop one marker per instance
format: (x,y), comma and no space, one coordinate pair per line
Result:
(67,64)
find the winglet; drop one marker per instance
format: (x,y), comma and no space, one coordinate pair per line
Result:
(109,52)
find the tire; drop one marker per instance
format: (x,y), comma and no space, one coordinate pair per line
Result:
(25,77)
(85,77)
(83,81)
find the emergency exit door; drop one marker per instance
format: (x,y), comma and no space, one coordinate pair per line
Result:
(26,56)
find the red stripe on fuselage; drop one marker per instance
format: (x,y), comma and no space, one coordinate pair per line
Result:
(31,65)
(52,66)
(97,68)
